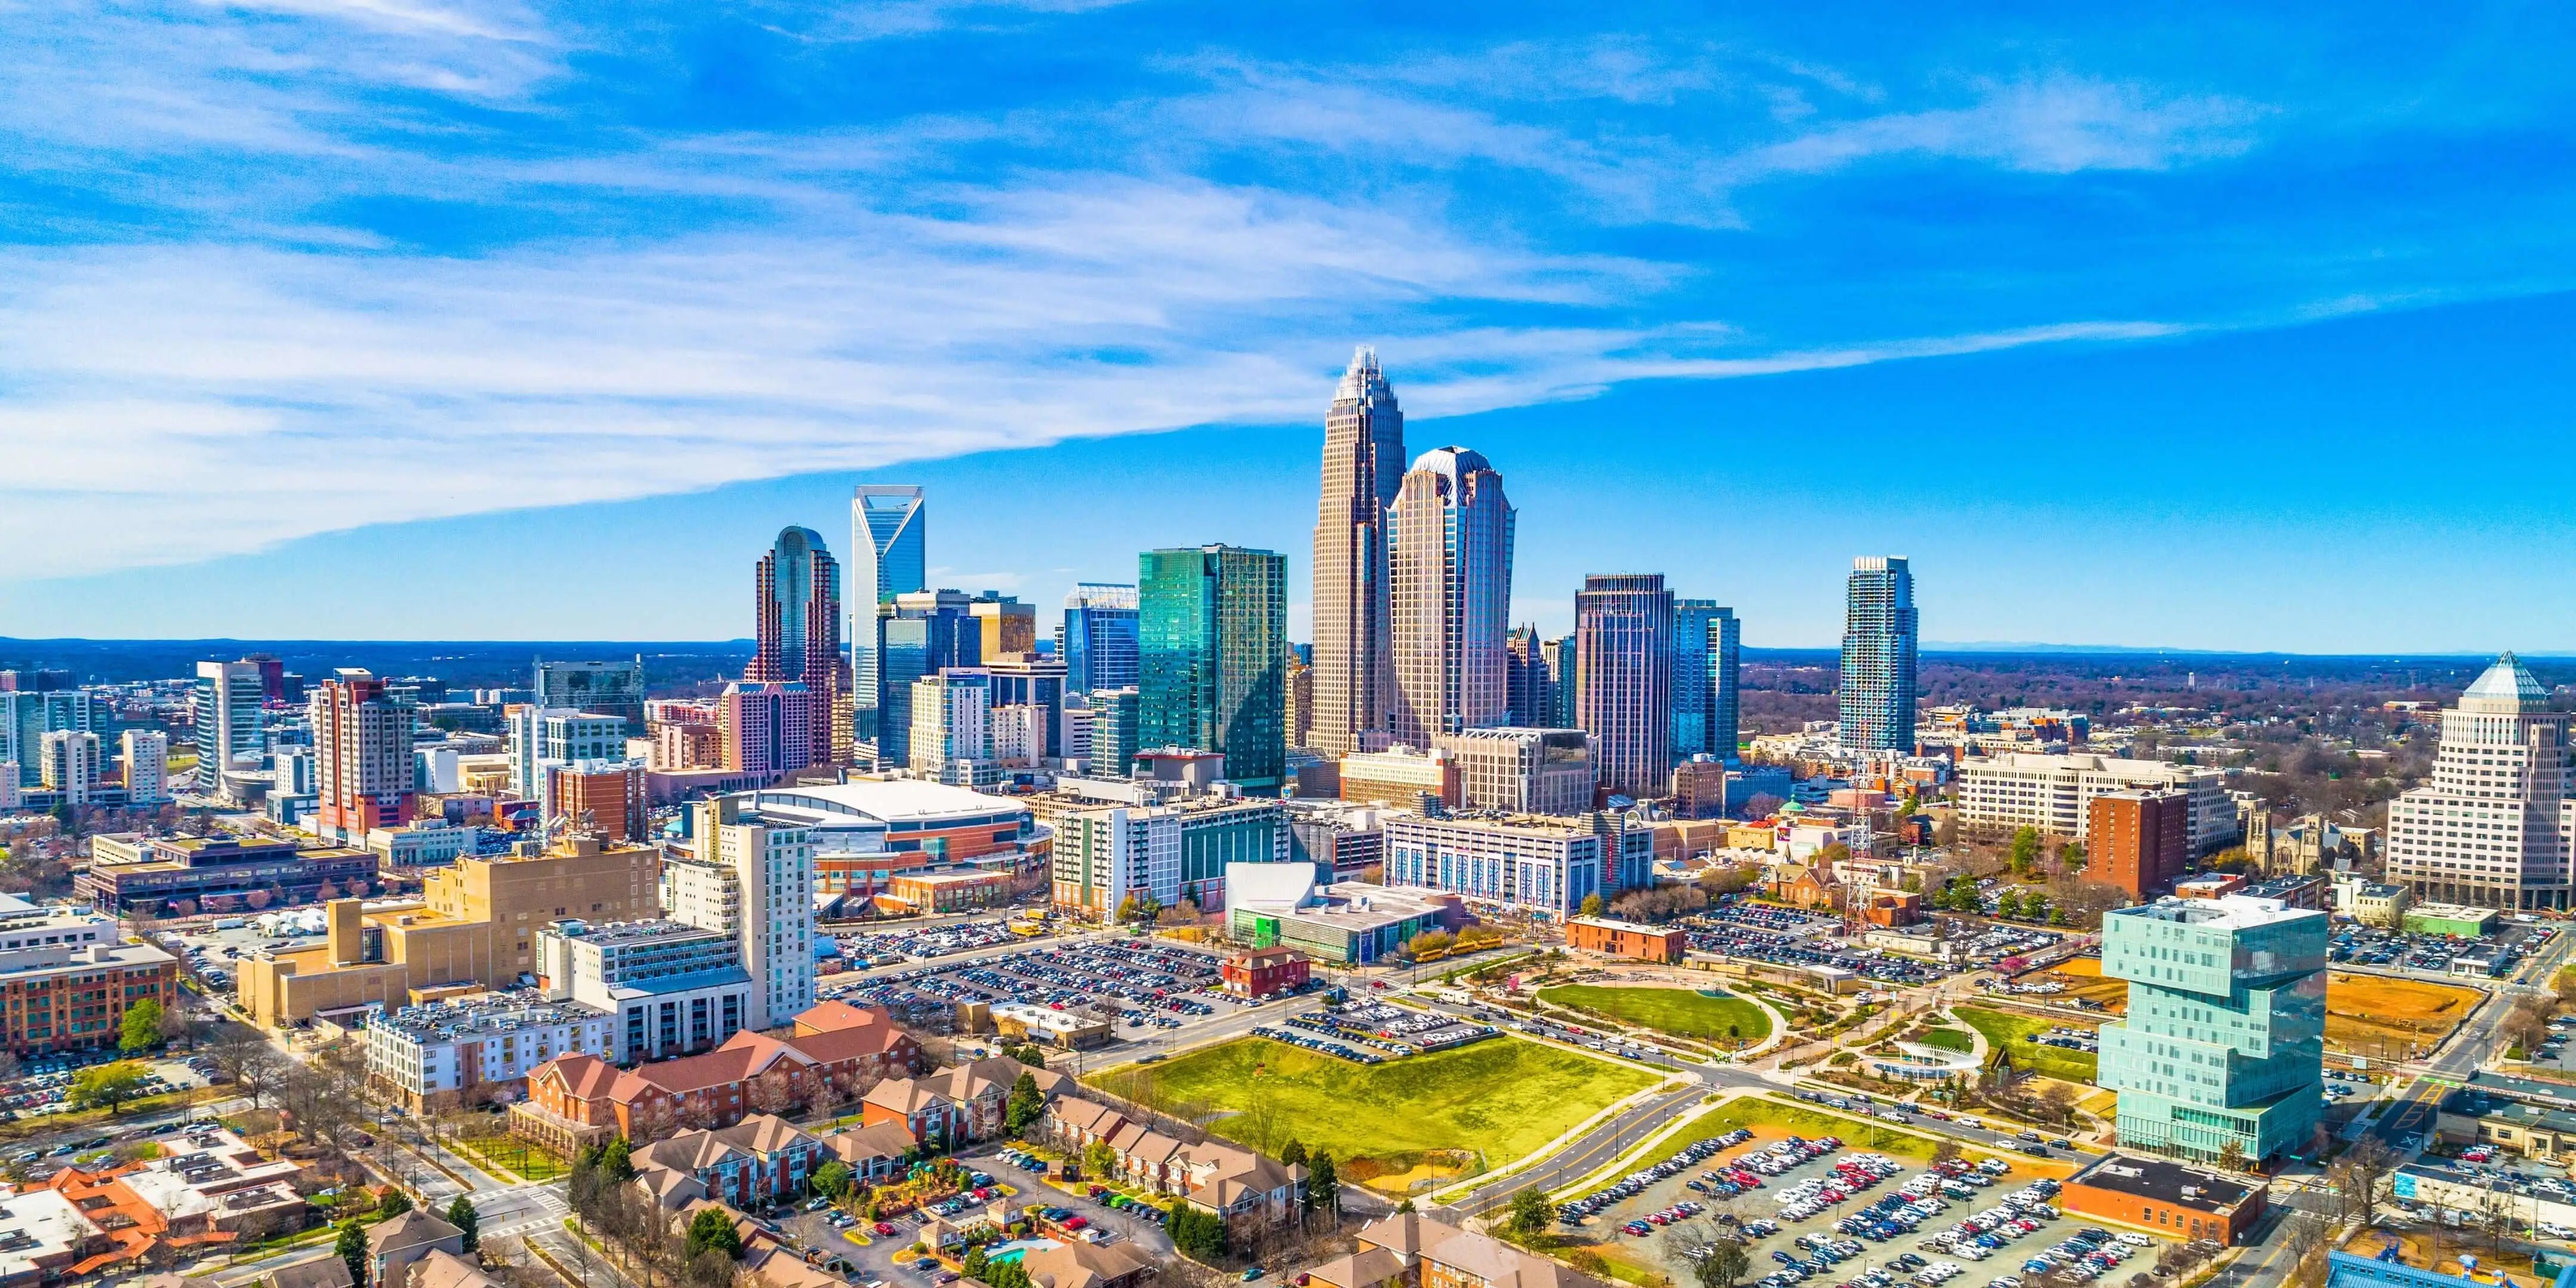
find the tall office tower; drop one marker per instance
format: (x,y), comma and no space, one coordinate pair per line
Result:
(227,700)
(1623,690)
(600,688)
(1878,656)
(71,764)
(146,753)
(2492,827)
(952,728)
(1117,732)
(1528,689)
(755,883)
(1297,697)
(30,712)
(2224,1040)
(1098,638)
(362,762)
(887,559)
(1363,464)
(1449,579)
(1212,631)
(1026,680)
(1006,624)
(768,727)
(540,738)
(1706,646)
(1560,655)
(918,633)
(799,630)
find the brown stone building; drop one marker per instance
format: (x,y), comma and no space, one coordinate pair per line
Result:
(2138,840)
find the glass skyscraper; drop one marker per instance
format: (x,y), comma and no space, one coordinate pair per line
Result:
(1212,639)
(1706,648)
(917,634)
(797,631)
(1623,693)
(2224,1039)
(1098,639)
(887,558)
(1363,470)
(1879,645)
(1450,580)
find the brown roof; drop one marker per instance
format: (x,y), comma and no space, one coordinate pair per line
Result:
(1081,1265)
(444,1269)
(585,1077)
(738,1060)
(858,1144)
(836,1045)
(1359,1270)
(321,1272)
(410,1230)
(826,1017)
(1476,1256)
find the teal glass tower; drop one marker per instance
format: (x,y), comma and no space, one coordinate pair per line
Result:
(1212,656)
(2225,1035)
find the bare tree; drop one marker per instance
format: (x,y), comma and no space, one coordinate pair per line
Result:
(2356,1177)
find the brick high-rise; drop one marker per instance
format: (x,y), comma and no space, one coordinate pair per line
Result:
(362,762)
(2138,840)
(1363,471)
(799,630)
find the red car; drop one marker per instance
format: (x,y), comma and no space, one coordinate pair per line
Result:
(1076,1222)
(885,1230)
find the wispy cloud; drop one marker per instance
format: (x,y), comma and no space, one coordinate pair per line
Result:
(2053,125)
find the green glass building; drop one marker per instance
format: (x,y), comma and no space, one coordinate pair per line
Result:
(1212,658)
(2225,1034)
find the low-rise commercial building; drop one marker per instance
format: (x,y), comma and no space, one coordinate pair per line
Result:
(1351,924)
(1264,972)
(67,978)
(956,890)
(2539,1131)
(2457,921)
(1629,939)
(446,1055)
(423,844)
(2166,1198)
(184,875)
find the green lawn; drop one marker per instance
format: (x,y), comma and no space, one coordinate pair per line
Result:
(1949,1039)
(1502,1097)
(2006,1031)
(1678,1011)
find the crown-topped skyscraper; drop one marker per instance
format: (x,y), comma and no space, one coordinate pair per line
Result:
(1354,674)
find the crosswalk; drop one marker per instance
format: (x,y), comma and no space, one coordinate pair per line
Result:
(550,1208)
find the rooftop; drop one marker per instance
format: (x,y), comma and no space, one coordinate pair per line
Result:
(899,800)
(620,933)
(2507,688)
(1632,927)
(2227,912)
(2165,1182)
(499,1014)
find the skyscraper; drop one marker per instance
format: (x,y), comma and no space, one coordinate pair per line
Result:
(952,740)
(1363,463)
(799,630)
(362,762)
(918,633)
(887,558)
(601,688)
(1450,597)
(1623,634)
(754,882)
(227,712)
(768,726)
(1007,625)
(1212,629)
(147,766)
(2224,1040)
(1560,655)
(1706,646)
(1098,638)
(1877,694)
(2491,828)
(71,764)
(40,706)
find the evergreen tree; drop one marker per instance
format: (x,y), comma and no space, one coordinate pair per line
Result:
(1295,1154)
(461,1214)
(713,1228)
(1022,1110)
(1323,1187)
(393,1204)
(618,1160)
(352,1247)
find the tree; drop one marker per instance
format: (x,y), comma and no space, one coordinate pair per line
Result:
(140,1030)
(1529,1213)
(1098,1159)
(1323,1186)
(110,1085)
(2357,1174)
(245,1058)
(180,1026)
(974,1263)
(2231,1157)
(352,1247)
(1293,1153)
(832,1179)
(617,1161)
(1591,905)
(712,1228)
(393,1204)
(1021,1112)
(2025,851)
(1724,1265)
(1944,1150)
(461,1214)
(2008,904)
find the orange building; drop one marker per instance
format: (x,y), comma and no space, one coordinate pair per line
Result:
(609,795)
(1625,939)
(2138,840)
(951,891)
(2165,1198)
(1892,908)
(834,1053)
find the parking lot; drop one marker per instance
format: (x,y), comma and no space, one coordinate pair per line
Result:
(43,1084)
(1780,936)
(1142,987)
(2439,954)
(1816,1209)
(923,943)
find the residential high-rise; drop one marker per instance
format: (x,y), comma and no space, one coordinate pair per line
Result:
(2138,840)
(917,633)
(2224,1038)
(799,630)
(1117,731)
(601,688)
(1212,631)
(146,753)
(1363,472)
(1097,640)
(952,740)
(604,797)
(45,702)
(1529,680)
(1623,627)
(755,882)
(1004,623)
(2493,826)
(228,716)
(768,727)
(71,765)
(1449,581)
(888,558)
(1706,650)
(1879,644)
(1034,688)
(1298,699)
(362,762)
(540,737)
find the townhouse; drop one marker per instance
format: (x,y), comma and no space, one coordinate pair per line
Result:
(1230,1181)
(1414,1251)
(762,1159)
(959,1103)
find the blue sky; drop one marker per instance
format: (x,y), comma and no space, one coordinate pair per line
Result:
(2223,326)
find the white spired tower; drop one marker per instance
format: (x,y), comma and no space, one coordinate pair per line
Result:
(1450,579)
(2492,828)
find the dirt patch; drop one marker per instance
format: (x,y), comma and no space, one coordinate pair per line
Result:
(2374,1016)
(2084,981)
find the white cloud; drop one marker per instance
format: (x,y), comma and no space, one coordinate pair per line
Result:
(2054,125)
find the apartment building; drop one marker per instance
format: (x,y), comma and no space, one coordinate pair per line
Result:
(1165,853)
(1211,1175)
(673,988)
(1409,1250)
(832,1054)
(2000,794)
(960,1103)
(67,977)
(445,1055)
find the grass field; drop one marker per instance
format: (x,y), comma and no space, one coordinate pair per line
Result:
(2372,1015)
(1498,1099)
(1678,1011)
(2006,1031)
(1949,1039)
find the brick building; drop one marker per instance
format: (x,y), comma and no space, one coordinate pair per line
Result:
(66,978)
(1264,972)
(758,1161)
(959,1103)
(218,874)
(2138,840)
(1629,939)
(2171,1199)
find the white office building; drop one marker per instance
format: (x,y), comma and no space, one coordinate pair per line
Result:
(1525,863)
(71,764)
(2055,793)
(541,737)
(754,883)
(146,753)
(673,988)
(2495,826)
